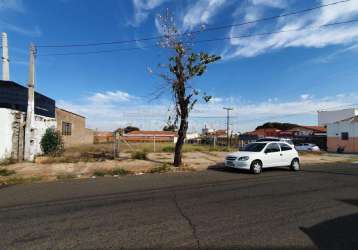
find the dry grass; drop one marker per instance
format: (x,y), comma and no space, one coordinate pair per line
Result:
(161,169)
(6,172)
(111,172)
(20,180)
(7,162)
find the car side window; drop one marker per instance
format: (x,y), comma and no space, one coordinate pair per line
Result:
(272,148)
(285,147)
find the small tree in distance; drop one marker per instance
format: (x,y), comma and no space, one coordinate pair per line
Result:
(184,65)
(130,129)
(51,142)
(170,127)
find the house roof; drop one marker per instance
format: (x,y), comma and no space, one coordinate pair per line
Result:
(350,119)
(317,129)
(64,110)
(150,133)
(15,96)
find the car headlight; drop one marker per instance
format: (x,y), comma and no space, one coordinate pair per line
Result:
(244,158)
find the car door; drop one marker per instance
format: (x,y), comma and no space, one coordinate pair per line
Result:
(272,155)
(286,154)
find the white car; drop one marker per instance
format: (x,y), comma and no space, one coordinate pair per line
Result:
(258,155)
(307,147)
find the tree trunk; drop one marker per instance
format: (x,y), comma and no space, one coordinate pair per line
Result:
(180,142)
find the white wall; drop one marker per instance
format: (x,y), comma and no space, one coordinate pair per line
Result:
(326,117)
(41,124)
(335,129)
(6,121)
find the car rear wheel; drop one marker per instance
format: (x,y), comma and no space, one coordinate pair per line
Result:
(295,165)
(256,167)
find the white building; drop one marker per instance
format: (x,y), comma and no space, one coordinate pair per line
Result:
(13,115)
(343,135)
(326,117)
(24,114)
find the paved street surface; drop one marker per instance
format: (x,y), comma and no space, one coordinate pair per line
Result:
(316,208)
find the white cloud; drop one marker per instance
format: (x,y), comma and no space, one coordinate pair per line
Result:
(305,96)
(111,114)
(333,35)
(110,97)
(142,9)
(271,3)
(201,12)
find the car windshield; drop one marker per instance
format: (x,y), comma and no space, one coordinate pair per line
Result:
(254,147)
(268,139)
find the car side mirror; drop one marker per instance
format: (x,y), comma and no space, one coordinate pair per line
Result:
(267,151)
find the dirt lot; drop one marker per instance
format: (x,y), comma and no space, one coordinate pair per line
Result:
(93,161)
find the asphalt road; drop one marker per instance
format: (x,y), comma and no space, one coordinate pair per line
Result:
(316,208)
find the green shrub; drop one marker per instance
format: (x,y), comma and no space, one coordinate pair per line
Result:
(51,142)
(168,149)
(139,155)
(161,169)
(6,172)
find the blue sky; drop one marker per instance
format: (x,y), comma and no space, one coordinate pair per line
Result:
(279,77)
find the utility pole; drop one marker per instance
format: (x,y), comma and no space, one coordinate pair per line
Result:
(30,115)
(5,58)
(228,125)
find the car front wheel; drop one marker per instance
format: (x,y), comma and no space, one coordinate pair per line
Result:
(256,167)
(295,165)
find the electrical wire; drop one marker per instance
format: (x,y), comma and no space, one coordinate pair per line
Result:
(205,40)
(214,28)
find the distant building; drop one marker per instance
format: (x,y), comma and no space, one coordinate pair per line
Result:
(73,128)
(264,132)
(150,136)
(306,131)
(326,117)
(103,137)
(343,135)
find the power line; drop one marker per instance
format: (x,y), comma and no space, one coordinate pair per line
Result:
(206,40)
(98,51)
(279,31)
(214,28)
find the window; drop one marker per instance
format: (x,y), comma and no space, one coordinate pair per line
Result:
(66,128)
(285,147)
(344,136)
(272,148)
(254,147)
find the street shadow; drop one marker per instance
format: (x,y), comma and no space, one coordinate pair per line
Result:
(338,233)
(221,168)
(331,171)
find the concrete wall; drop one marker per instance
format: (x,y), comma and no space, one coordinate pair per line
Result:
(80,134)
(326,117)
(41,124)
(6,121)
(334,131)
(11,136)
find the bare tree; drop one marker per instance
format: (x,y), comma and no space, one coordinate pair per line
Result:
(184,65)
